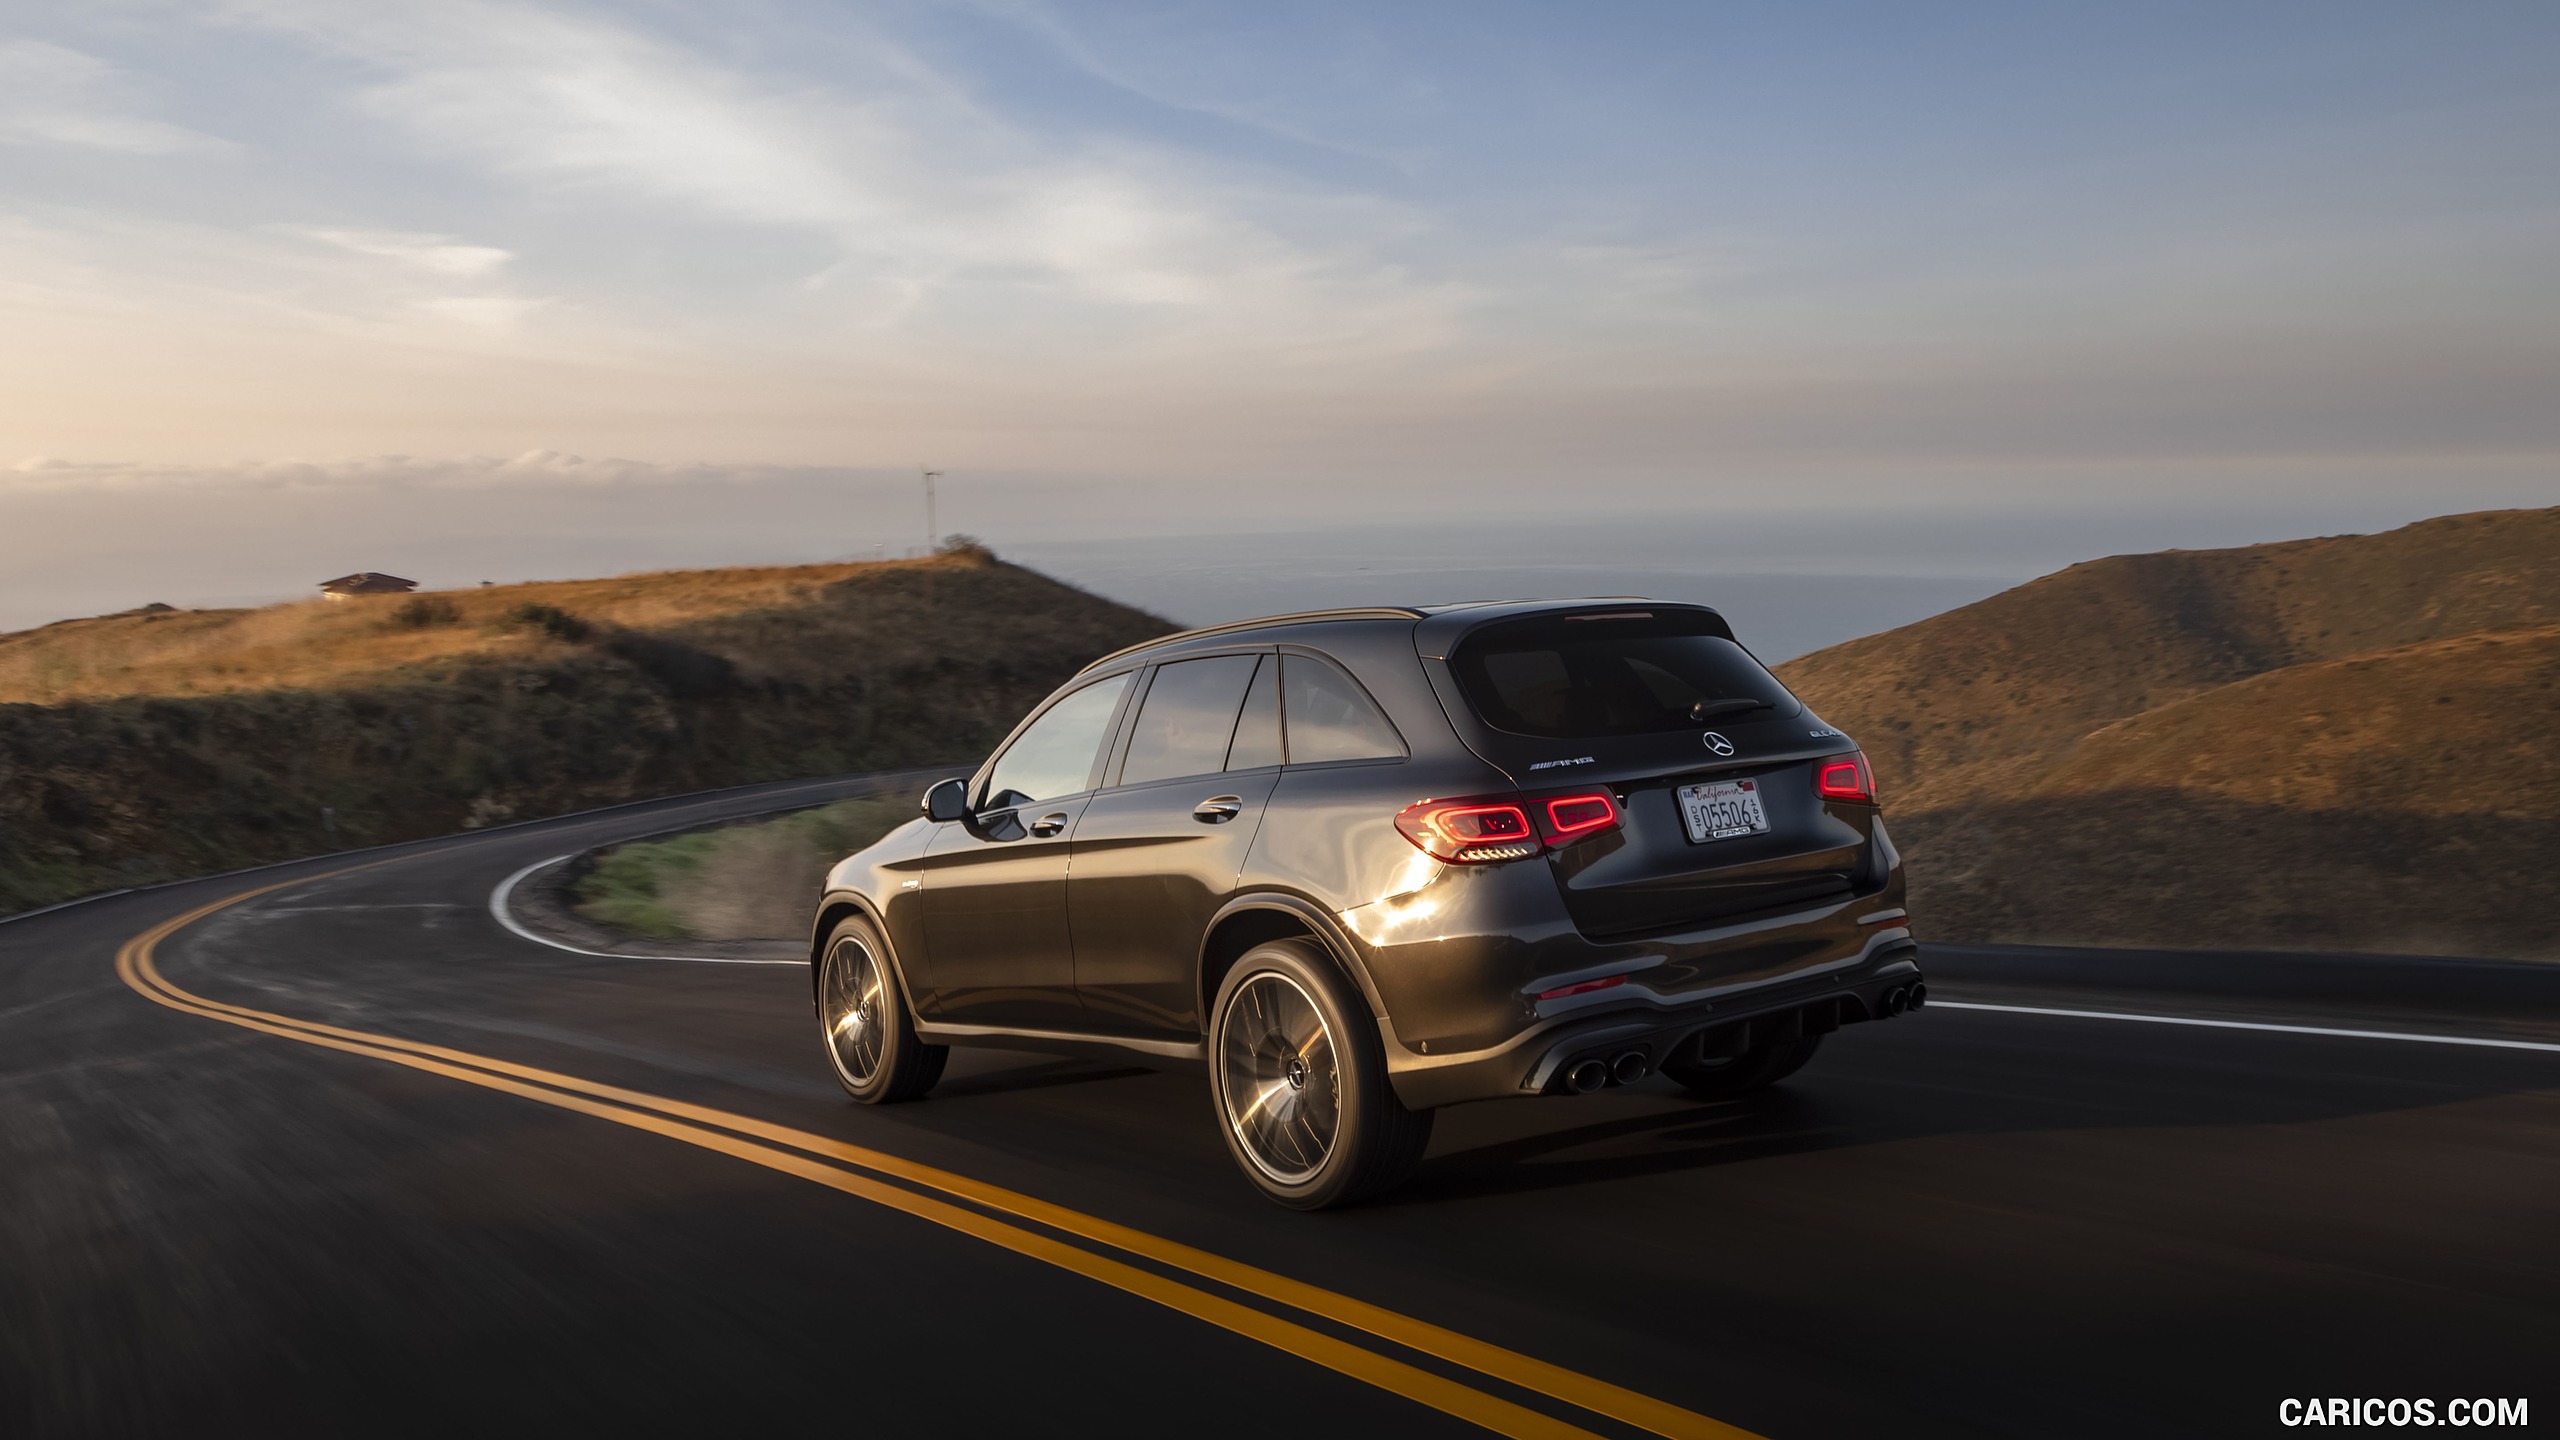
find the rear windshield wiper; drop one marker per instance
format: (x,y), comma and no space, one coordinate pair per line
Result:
(1718,709)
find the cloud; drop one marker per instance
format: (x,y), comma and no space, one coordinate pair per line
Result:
(935,207)
(436,254)
(53,96)
(365,472)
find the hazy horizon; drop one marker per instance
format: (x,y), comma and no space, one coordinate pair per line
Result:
(1792,581)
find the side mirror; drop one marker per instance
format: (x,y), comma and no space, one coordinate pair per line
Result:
(947,800)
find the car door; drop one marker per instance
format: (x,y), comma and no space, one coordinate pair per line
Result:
(993,887)
(1158,852)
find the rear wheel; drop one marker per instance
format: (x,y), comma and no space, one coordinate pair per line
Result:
(863,1019)
(1755,1069)
(1300,1082)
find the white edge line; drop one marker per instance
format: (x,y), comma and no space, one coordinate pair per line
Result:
(498,910)
(1938,1004)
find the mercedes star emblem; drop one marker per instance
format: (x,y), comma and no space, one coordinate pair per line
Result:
(1719,744)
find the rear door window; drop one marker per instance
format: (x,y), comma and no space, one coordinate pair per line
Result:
(1330,717)
(1188,719)
(1640,675)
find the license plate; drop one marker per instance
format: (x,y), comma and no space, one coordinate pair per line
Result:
(1723,809)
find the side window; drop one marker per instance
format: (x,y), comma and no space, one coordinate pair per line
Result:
(1187,719)
(1330,717)
(1055,756)
(1258,731)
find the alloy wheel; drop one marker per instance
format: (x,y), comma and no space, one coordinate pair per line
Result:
(1278,1077)
(854,1007)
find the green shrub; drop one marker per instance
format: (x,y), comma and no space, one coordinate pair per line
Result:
(757,880)
(424,612)
(551,620)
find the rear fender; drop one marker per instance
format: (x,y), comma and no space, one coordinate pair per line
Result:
(1310,917)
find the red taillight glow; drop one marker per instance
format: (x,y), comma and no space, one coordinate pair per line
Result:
(1585,988)
(1473,832)
(1468,832)
(1845,778)
(1576,815)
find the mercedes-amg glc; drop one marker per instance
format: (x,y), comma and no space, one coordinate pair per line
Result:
(1361,864)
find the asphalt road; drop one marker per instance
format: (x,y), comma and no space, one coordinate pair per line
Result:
(517,1187)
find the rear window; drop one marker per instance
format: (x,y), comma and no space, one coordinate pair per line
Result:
(1637,674)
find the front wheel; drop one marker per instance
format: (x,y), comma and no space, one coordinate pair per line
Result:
(1300,1082)
(862,1017)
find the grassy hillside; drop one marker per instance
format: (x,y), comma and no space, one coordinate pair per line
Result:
(2336,743)
(1979,700)
(749,881)
(167,744)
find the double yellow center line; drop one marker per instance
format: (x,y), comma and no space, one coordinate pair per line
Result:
(1005,1218)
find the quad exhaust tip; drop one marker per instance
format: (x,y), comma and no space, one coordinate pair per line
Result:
(1629,1068)
(1588,1076)
(1919,994)
(1896,1000)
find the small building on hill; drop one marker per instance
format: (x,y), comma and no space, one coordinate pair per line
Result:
(365,583)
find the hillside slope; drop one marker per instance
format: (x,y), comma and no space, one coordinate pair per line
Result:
(2341,743)
(1975,701)
(209,742)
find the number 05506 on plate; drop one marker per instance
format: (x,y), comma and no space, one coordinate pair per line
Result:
(1723,809)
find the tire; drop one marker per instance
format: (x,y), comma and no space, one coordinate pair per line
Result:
(1299,1081)
(1754,1069)
(877,1057)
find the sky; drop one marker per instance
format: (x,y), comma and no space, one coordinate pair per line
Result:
(1932,298)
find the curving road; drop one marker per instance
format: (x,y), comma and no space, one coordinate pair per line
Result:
(348,1156)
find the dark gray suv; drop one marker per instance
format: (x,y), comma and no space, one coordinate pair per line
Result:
(1365,863)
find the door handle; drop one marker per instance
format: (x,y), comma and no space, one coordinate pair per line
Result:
(1049,824)
(1218,809)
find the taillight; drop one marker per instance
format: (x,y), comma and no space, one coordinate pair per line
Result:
(1845,777)
(1575,816)
(1475,831)
(1468,832)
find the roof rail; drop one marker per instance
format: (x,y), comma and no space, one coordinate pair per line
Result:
(1299,617)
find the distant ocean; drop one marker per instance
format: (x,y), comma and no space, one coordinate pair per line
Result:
(1785,605)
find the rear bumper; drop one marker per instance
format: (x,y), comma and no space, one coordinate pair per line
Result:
(1630,1017)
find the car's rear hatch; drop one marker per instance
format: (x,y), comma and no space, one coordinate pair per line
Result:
(1602,698)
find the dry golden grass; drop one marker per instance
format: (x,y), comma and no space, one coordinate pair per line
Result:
(2448,727)
(320,644)
(186,743)
(1980,701)
(2350,743)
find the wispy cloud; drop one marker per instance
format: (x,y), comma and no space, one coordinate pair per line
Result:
(53,96)
(435,254)
(370,472)
(919,191)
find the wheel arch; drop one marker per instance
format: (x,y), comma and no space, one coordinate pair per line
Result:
(833,910)
(1250,920)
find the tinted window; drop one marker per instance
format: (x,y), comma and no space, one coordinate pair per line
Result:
(1187,719)
(1566,678)
(1258,732)
(1329,716)
(1055,756)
